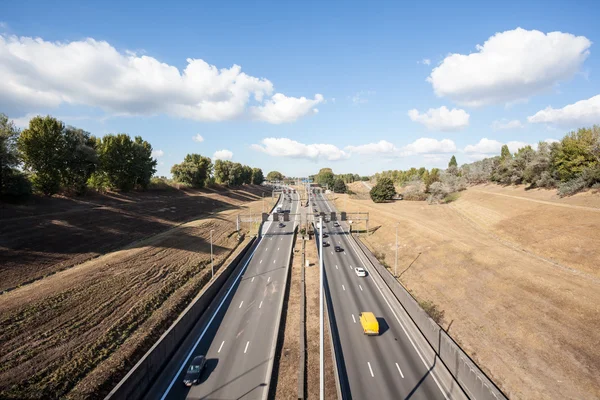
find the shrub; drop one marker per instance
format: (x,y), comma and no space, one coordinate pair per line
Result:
(16,185)
(572,186)
(383,191)
(433,311)
(546,180)
(414,190)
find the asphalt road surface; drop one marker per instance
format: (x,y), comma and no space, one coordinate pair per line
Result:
(240,342)
(397,364)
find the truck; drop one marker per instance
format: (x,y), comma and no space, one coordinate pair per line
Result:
(369,323)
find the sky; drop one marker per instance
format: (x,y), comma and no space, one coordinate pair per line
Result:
(359,87)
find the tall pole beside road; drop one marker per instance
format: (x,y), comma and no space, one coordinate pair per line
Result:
(263,195)
(321,359)
(212,261)
(396,264)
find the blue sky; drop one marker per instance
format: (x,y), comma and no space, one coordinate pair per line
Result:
(362,65)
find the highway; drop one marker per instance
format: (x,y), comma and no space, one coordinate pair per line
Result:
(397,364)
(240,341)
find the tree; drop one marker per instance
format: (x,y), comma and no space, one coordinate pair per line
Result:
(194,170)
(246,175)
(576,152)
(325,177)
(275,176)
(339,186)
(383,191)
(452,162)
(9,153)
(125,163)
(80,159)
(430,177)
(42,146)
(257,176)
(505,153)
(222,168)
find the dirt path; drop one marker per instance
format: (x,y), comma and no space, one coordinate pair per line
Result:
(75,333)
(530,325)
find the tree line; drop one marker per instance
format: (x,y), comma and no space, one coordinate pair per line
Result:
(48,157)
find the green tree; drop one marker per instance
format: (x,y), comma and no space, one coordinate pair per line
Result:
(339,186)
(246,175)
(325,177)
(125,163)
(575,153)
(430,177)
(275,176)
(257,176)
(453,162)
(9,154)
(505,153)
(42,146)
(80,159)
(383,191)
(194,170)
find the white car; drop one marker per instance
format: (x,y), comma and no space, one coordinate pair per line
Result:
(360,271)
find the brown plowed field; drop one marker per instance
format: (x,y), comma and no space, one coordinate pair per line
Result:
(517,274)
(75,333)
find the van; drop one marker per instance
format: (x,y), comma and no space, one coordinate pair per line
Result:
(369,323)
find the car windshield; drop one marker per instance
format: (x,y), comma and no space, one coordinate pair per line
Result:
(194,368)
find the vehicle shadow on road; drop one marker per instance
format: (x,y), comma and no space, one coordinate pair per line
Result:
(383,326)
(211,365)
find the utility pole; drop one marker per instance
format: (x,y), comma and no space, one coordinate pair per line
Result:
(321,358)
(263,196)
(212,262)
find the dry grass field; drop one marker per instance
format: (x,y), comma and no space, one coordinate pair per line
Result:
(517,274)
(74,333)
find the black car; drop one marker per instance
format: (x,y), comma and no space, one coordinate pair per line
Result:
(338,249)
(192,376)
(281,225)
(325,235)
(325,244)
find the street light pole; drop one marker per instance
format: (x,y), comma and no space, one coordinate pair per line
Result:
(212,261)
(263,196)
(396,266)
(321,358)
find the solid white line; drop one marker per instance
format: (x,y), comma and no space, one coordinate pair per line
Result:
(221,346)
(360,288)
(353,319)
(246,349)
(343,287)
(260,305)
(371,369)
(399,370)
(241,304)
(187,359)
(269,280)
(252,279)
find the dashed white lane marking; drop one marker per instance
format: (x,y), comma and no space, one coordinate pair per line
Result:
(332,253)
(260,262)
(260,305)
(267,249)
(336,267)
(221,346)
(241,304)
(353,319)
(252,279)
(246,349)
(278,249)
(370,369)
(269,280)
(360,288)
(399,370)
(343,287)
(281,238)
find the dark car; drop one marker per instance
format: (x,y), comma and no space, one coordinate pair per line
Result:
(315,210)
(281,225)
(325,235)
(194,371)
(325,244)
(338,249)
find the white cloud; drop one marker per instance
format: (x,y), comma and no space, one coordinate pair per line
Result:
(23,122)
(381,147)
(284,147)
(514,146)
(583,112)
(441,119)
(198,138)
(550,141)
(509,66)
(362,96)
(485,146)
(505,124)
(280,108)
(158,153)
(426,61)
(38,74)
(428,145)
(223,155)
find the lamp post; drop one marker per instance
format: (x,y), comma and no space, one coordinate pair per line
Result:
(396,264)
(212,262)
(321,350)
(263,201)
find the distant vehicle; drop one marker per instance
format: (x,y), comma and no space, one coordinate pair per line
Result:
(338,249)
(315,210)
(360,271)
(369,323)
(279,209)
(336,224)
(325,235)
(194,371)
(325,244)
(313,204)
(281,225)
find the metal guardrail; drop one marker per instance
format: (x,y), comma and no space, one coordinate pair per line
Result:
(302,341)
(474,382)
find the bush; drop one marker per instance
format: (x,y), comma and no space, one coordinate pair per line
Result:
(162,183)
(16,185)
(546,180)
(450,198)
(572,186)
(414,190)
(383,191)
(433,311)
